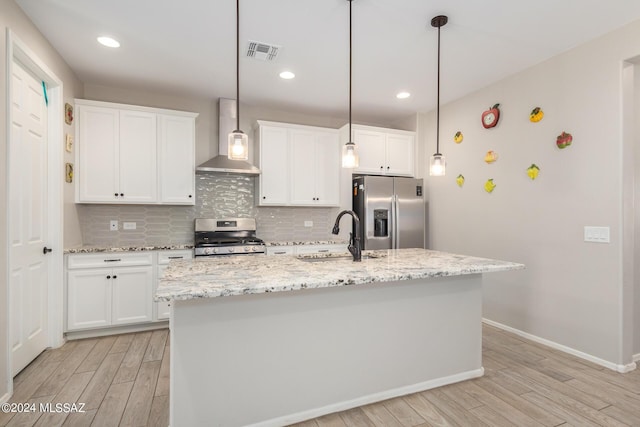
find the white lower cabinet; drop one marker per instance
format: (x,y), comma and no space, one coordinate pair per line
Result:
(109,290)
(163,308)
(305,249)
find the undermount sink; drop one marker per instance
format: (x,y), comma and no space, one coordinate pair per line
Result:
(341,256)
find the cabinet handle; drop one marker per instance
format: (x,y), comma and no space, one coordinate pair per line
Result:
(115,277)
(387,167)
(190,196)
(323,250)
(381,167)
(176,257)
(280,252)
(113,260)
(264,197)
(121,194)
(115,194)
(108,277)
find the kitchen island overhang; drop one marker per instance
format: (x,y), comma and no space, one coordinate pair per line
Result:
(277,350)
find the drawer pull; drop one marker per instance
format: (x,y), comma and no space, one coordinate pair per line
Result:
(113,260)
(176,257)
(323,250)
(280,252)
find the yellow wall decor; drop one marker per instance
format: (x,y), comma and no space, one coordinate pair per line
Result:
(460,180)
(489,186)
(490,157)
(533,171)
(458,137)
(536,115)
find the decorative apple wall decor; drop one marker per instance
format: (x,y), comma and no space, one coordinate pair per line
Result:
(460,180)
(533,171)
(564,140)
(489,186)
(490,157)
(491,116)
(458,137)
(536,115)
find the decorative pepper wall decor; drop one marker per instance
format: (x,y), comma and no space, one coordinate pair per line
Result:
(489,186)
(564,140)
(536,115)
(533,171)
(458,137)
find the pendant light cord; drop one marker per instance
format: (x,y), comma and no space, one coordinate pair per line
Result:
(350,66)
(237,64)
(438,100)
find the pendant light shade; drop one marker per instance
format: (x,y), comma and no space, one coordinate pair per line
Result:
(350,150)
(437,163)
(238,148)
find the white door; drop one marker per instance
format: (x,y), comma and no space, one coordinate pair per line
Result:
(177,159)
(274,174)
(89,298)
(371,149)
(400,154)
(29,267)
(303,173)
(327,170)
(131,295)
(137,157)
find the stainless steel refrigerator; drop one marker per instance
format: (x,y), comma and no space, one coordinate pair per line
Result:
(391,211)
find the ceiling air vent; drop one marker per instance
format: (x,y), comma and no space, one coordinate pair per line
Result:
(262,51)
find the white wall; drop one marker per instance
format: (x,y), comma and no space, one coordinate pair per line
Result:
(571,291)
(636,261)
(12,17)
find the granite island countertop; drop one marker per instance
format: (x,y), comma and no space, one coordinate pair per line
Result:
(239,275)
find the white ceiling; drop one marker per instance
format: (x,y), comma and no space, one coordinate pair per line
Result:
(187,47)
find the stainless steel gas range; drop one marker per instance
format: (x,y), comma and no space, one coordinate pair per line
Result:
(227,236)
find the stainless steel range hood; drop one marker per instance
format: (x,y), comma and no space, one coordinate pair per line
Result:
(221,163)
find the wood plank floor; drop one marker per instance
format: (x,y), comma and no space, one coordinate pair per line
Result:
(124,381)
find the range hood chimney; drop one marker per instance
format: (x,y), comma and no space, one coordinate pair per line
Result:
(221,163)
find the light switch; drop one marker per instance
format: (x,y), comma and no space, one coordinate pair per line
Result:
(596,234)
(308,223)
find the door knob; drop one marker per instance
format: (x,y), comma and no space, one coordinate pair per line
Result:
(46,250)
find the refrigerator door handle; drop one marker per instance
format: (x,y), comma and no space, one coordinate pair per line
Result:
(394,229)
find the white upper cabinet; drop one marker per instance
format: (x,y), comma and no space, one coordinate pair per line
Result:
(176,136)
(300,165)
(383,151)
(130,154)
(273,160)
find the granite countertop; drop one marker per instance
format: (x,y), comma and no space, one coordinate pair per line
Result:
(238,275)
(95,249)
(310,242)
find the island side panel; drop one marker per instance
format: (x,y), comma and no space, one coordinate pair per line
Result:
(279,358)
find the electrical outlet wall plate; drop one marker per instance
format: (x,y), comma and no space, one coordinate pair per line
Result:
(113,225)
(69,143)
(308,223)
(128,225)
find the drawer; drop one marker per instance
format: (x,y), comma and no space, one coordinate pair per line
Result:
(320,249)
(164,257)
(280,250)
(112,259)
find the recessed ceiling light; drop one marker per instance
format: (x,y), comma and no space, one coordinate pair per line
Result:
(287,75)
(403,95)
(108,41)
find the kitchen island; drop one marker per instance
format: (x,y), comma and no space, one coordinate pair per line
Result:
(261,340)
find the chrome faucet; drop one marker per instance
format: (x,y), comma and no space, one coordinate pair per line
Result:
(354,242)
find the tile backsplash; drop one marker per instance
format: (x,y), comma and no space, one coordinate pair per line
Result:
(217,195)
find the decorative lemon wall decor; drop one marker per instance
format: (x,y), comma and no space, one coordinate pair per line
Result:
(536,115)
(460,180)
(564,140)
(458,137)
(490,157)
(533,171)
(489,186)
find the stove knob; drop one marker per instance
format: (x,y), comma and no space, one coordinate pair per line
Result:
(214,250)
(254,249)
(231,250)
(247,249)
(206,251)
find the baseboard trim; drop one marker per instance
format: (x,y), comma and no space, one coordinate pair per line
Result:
(365,400)
(588,357)
(5,398)
(91,333)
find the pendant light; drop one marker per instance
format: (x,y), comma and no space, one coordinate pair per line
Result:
(350,150)
(437,162)
(238,141)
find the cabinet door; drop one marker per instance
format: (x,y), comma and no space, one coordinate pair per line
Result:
(274,173)
(400,155)
(303,167)
(176,159)
(138,157)
(132,295)
(163,308)
(88,298)
(371,149)
(97,145)
(327,170)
